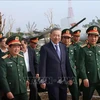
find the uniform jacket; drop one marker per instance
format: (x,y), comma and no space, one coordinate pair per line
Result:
(77,48)
(89,63)
(13,74)
(72,58)
(76,52)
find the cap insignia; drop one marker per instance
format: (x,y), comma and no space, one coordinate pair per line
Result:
(16,38)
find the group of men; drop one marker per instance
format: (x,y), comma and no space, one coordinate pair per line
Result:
(62,62)
(84,60)
(19,68)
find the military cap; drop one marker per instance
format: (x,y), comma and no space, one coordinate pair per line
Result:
(34,39)
(93,30)
(77,33)
(68,32)
(14,39)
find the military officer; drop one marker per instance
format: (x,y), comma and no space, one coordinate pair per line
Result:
(66,39)
(76,37)
(34,45)
(13,74)
(89,63)
(77,44)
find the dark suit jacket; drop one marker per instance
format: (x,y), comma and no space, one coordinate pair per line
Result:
(51,66)
(33,61)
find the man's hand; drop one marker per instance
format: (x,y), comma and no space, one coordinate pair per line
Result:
(70,82)
(37,75)
(10,95)
(27,83)
(86,82)
(43,85)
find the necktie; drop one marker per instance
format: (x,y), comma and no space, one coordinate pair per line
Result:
(57,50)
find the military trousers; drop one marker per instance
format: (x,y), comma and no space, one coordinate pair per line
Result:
(88,91)
(22,96)
(74,91)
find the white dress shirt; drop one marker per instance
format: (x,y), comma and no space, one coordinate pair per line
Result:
(26,57)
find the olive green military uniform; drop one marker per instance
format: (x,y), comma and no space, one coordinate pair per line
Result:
(90,69)
(76,52)
(13,76)
(89,63)
(77,47)
(67,34)
(74,87)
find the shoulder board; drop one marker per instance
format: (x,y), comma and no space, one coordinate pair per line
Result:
(5,56)
(20,55)
(98,45)
(83,45)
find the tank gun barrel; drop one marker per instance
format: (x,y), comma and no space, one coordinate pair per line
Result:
(78,23)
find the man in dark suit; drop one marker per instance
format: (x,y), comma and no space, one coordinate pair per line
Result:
(32,69)
(54,66)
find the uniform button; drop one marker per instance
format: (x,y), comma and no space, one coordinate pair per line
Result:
(22,64)
(9,82)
